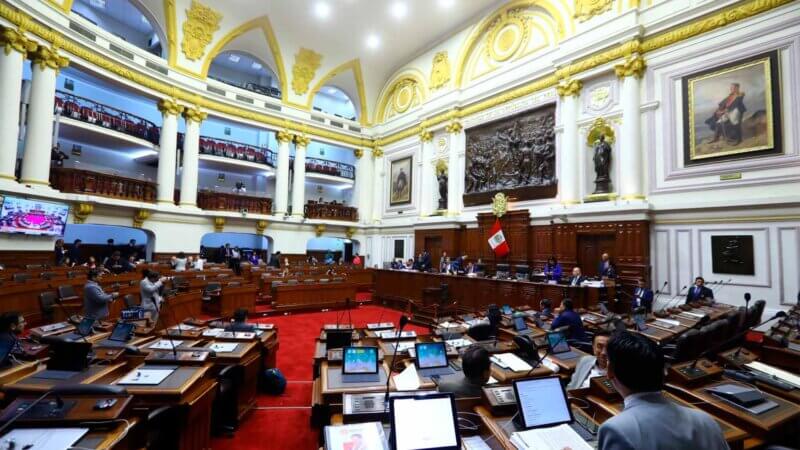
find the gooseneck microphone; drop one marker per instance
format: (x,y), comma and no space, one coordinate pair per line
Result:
(403,323)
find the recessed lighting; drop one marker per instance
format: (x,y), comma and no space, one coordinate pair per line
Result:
(322,10)
(446,3)
(234,58)
(399,9)
(373,41)
(98,3)
(256,65)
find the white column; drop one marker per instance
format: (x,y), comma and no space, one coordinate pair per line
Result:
(378,184)
(167,146)
(630,150)
(569,163)
(428,185)
(299,180)
(191,156)
(16,47)
(282,173)
(39,139)
(362,195)
(454,172)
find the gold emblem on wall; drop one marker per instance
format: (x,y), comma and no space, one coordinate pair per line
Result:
(82,211)
(507,35)
(198,30)
(139,217)
(306,63)
(440,72)
(319,229)
(499,204)
(586,9)
(599,127)
(219,224)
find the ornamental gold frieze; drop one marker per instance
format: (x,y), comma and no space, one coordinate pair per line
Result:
(14,40)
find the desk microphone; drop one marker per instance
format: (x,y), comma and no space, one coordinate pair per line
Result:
(171,342)
(659,291)
(669,302)
(546,352)
(723,285)
(403,322)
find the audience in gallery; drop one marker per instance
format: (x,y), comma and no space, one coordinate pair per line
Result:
(115,264)
(476,365)
(568,317)
(591,366)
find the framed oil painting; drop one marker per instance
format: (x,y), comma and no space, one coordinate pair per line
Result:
(732,111)
(400,182)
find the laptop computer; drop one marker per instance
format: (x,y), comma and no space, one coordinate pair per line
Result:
(338,339)
(123,332)
(542,403)
(559,347)
(82,331)
(431,359)
(537,319)
(521,327)
(507,310)
(424,422)
(360,365)
(639,320)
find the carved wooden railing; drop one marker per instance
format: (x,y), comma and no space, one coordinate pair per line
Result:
(90,111)
(327,167)
(315,210)
(78,181)
(218,201)
(233,150)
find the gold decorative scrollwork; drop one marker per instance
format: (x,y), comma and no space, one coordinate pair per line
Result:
(440,72)
(377,152)
(569,88)
(169,107)
(261,225)
(194,114)
(508,33)
(454,127)
(600,127)
(219,224)
(302,140)
(284,136)
(320,229)
(499,204)
(48,58)
(349,232)
(82,211)
(358,152)
(586,9)
(11,39)
(306,63)
(634,66)
(425,135)
(198,30)
(139,217)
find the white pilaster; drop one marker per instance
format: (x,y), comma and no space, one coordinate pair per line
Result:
(282,173)
(167,146)
(428,186)
(16,47)
(630,152)
(362,195)
(569,163)
(454,172)
(299,180)
(378,186)
(191,157)
(39,139)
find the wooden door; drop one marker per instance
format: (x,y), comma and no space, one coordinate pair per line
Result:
(433,244)
(590,248)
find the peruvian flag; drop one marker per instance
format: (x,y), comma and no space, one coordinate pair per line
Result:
(497,240)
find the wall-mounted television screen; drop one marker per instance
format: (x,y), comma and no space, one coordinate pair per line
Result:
(36,217)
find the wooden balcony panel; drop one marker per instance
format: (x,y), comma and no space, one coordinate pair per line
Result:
(218,201)
(331,212)
(76,181)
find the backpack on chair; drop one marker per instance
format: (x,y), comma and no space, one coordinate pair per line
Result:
(273,382)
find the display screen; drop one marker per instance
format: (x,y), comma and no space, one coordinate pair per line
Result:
(360,360)
(520,324)
(431,355)
(424,423)
(21,215)
(542,402)
(557,342)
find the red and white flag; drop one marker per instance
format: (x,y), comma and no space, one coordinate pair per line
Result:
(497,240)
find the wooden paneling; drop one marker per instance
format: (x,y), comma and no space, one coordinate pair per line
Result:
(450,239)
(516,229)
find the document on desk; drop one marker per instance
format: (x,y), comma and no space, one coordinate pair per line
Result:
(223,347)
(511,361)
(552,438)
(403,346)
(213,332)
(775,372)
(146,377)
(42,438)
(356,436)
(458,343)
(666,323)
(407,380)
(169,344)
(474,443)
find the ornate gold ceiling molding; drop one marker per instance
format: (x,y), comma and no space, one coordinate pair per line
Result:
(64,5)
(306,63)
(586,9)
(198,29)
(440,70)
(405,90)
(355,66)
(172,32)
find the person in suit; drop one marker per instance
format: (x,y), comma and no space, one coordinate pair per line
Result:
(591,366)
(12,325)
(577,277)
(699,291)
(240,322)
(108,251)
(275,261)
(150,292)
(60,252)
(95,301)
(605,268)
(642,296)
(552,270)
(444,263)
(476,366)
(547,307)
(426,261)
(115,264)
(570,318)
(75,252)
(648,420)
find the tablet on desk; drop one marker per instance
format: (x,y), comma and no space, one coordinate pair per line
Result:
(360,365)
(431,359)
(424,422)
(542,402)
(123,332)
(559,347)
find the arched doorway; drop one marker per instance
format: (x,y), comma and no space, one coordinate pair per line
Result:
(212,245)
(325,248)
(101,240)
(333,100)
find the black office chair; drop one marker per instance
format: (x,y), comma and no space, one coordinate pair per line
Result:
(224,413)
(480,332)
(526,348)
(684,348)
(47,305)
(755,312)
(161,425)
(130,301)
(47,275)
(211,291)
(20,277)
(66,293)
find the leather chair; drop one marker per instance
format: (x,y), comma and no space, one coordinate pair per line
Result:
(224,413)
(480,332)
(47,304)
(47,275)
(234,284)
(161,424)
(755,312)
(66,294)
(211,292)
(684,347)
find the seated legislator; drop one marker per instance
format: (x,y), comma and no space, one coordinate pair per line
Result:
(477,369)
(699,291)
(568,317)
(552,270)
(12,325)
(240,322)
(648,420)
(95,301)
(605,269)
(577,277)
(642,296)
(589,366)
(115,264)
(546,306)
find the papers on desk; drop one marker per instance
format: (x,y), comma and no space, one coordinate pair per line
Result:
(407,380)
(553,438)
(42,438)
(474,443)
(473,322)
(511,362)
(402,346)
(148,377)
(447,324)
(458,343)
(213,332)
(169,344)
(223,347)
(667,323)
(265,326)
(391,334)
(53,327)
(693,314)
(237,335)
(356,436)
(775,373)
(380,326)
(183,327)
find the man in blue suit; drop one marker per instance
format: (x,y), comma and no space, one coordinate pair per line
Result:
(605,269)
(642,296)
(568,317)
(699,291)
(649,420)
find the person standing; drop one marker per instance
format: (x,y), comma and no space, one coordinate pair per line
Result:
(236,260)
(642,296)
(552,269)
(60,252)
(150,292)
(699,291)
(95,300)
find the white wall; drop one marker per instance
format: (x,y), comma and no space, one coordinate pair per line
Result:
(242,240)
(99,234)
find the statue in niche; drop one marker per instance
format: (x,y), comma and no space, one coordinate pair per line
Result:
(441,176)
(602,166)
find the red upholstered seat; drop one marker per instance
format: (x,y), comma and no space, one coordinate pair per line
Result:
(219,148)
(240,152)
(230,150)
(116,123)
(250,154)
(59,105)
(105,119)
(72,109)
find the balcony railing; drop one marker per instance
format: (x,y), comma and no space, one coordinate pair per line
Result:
(331,211)
(218,201)
(234,150)
(253,87)
(327,167)
(76,181)
(90,111)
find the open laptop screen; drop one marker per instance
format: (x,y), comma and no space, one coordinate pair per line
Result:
(431,354)
(557,342)
(122,332)
(85,327)
(338,338)
(520,324)
(424,423)
(542,402)
(357,360)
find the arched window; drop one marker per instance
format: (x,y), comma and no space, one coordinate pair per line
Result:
(332,100)
(245,71)
(126,19)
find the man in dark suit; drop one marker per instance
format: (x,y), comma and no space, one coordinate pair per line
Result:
(12,325)
(606,268)
(699,291)
(426,261)
(476,367)
(95,300)
(643,296)
(569,318)
(577,277)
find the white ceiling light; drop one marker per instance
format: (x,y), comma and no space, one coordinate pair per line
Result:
(98,3)
(256,65)
(446,3)
(373,41)
(234,58)
(322,10)
(145,21)
(399,9)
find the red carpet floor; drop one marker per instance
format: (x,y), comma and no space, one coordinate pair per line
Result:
(282,422)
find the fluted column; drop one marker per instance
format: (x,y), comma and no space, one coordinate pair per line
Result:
(167,146)
(16,47)
(191,156)
(46,62)
(569,163)
(378,184)
(362,195)
(630,151)
(282,173)
(427,179)
(454,172)
(299,181)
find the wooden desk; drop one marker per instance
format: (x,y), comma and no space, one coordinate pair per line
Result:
(182,305)
(501,430)
(17,371)
(331,394)
(246,355)
(312,295)
(231,299)
(93,374)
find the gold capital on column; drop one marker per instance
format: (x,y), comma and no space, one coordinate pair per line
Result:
(261,225)
(139,217)
(425,136)
(358,152)
(632,67)
(169,107)
(284,136)
(302,140)
(454,128)
(194,114)
(377,152)
(569,88)
(82,211)
(219,224)
(12,39)
(48,58)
